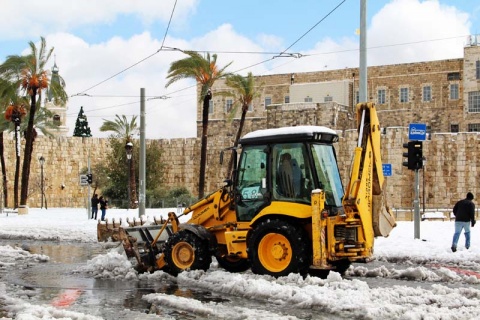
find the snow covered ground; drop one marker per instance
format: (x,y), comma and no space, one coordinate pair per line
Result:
(428,259)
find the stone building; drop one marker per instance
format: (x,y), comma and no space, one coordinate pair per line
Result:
(59,110)
(445,95)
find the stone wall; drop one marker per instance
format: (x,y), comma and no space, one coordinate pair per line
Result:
(65,160)
(451,157)
(451,168)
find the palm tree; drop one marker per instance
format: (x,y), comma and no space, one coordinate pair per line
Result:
(13,112)
(124,130)
(28,74)
(205,71)
(245,91)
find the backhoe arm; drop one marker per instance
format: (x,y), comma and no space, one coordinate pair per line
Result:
(365,195)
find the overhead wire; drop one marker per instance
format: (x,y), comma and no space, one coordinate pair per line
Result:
(136,63)
(276,55)
(248,67)
(321,20)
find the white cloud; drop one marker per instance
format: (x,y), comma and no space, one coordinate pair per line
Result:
(86,69)
(417,24)
(403,31)
(30,18)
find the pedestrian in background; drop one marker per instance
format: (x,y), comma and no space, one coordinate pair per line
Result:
(94,206)
(464,211)
(103,206)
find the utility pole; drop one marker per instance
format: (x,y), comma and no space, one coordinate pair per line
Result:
(363,89)
(142,162)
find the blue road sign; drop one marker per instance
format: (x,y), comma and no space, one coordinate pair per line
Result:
(417,131)
(387,169)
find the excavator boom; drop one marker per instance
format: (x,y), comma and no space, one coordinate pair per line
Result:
(365,190)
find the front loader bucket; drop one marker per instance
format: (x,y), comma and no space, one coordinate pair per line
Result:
(109,230)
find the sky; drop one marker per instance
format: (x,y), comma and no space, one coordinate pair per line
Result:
(107,51)
(453,295)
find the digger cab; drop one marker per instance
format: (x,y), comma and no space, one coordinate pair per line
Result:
(284,165)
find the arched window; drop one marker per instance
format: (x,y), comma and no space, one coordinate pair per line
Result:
(56,119)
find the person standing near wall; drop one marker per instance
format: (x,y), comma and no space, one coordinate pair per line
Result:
(94,206)
(103,206)
(464,211)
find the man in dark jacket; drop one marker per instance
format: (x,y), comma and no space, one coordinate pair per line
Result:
(94,206)
(464,211)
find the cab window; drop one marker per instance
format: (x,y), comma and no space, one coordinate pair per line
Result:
(252,179)
(291,173)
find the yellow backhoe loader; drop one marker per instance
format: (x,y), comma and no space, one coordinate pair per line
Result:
(284,210)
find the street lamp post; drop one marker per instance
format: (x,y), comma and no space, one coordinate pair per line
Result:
(129,149)
(42,161)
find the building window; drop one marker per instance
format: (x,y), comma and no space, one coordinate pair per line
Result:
(268,101)
(474,127)
(427,94)
(474,101)
(328,99)
(403,95)
(56,120)
(308,99)
(357,97)
(381,96)
(454,128)
(454,91)
(228,105)
(250,107)
(287,99)
(478,69)
(210,106)
(451,76)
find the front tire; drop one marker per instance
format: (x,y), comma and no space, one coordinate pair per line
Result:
(278,248)
(185,250)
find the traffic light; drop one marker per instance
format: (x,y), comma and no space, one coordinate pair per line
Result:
(89,178)
(414,155)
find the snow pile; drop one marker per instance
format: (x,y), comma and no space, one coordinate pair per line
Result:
(439,284)
(110,266)
(14,256)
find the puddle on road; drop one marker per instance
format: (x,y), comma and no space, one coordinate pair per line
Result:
(49,281)
(65,253)
(114,299)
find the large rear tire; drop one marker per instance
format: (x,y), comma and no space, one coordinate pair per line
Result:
(185,250)
(278,248)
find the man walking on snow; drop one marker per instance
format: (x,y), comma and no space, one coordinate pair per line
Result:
(464,211)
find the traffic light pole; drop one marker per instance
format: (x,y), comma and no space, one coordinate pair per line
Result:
(416,209)
(414,162)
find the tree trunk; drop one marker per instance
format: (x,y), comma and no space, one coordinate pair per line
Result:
(203,153)
(237,138)
(17,165)
(4,172)
(28,149)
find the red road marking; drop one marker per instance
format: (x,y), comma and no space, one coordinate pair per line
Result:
(66,298)
(460,271)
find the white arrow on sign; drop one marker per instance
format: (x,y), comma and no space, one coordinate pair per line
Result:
(83,180)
